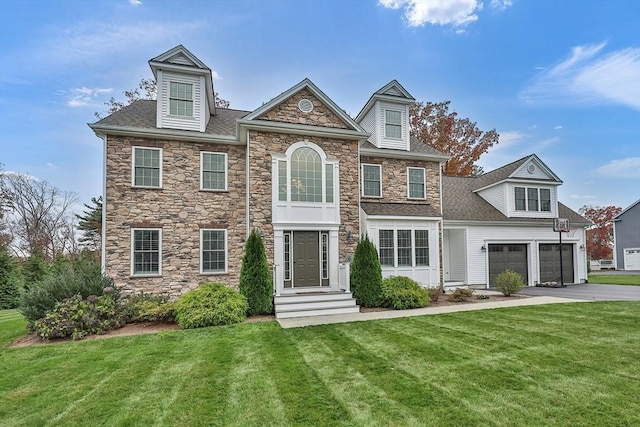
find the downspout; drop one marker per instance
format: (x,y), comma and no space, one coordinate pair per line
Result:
(103,237)
(248,187)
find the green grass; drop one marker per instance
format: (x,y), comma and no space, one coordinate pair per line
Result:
(565,364)
(611,279)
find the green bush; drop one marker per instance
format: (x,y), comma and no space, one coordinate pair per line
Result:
(76,318)
(402,293)
(10,281)
(509,282)
(77,278)
(434,293)
(35,270)
(149,308)
(212,304)
(366,274)
(255,278)
(461,295)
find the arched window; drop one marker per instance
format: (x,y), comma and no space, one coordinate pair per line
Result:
(306,175)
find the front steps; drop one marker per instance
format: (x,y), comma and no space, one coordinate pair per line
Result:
(314,304)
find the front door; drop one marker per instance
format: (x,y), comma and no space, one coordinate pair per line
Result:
(306,259)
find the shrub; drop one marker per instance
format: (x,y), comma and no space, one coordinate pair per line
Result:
(402,293)
(76,318)
(212,304)
(434,293)
(78,278)
(255,277)
(460,295)
(149,308)
(366,274)
(35,270)
(509,282)
(10,281)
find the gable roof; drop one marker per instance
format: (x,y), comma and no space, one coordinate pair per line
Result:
(628,208)
(505,172)
(306,84)
(460,202)
(392,92)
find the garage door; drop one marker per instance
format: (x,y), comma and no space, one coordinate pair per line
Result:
(507,257)
(632,259)
(550,262)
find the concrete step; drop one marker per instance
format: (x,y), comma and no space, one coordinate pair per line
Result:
(316,312)
(300,298)
(316,304)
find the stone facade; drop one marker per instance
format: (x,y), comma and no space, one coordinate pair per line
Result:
(395,181)
(179,208)
(263,145)
(288,112)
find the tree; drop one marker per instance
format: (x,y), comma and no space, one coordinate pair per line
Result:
(38,216)
(255,277)
(90,224)
(460,138)
(600,234)
(366,274)
(10,281)
(147,89)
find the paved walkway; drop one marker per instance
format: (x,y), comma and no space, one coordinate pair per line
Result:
(588,292)
(392,314)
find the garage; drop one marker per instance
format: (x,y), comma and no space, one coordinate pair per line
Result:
(507,257)
(632,259)
(550,262)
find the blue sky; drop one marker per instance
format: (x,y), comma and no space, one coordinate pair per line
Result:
(560,79)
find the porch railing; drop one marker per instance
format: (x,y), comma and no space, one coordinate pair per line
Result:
(343,276)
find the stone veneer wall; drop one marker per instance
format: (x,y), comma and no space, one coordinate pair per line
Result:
(263,145)
(394,180)
(179,208)
(288,112)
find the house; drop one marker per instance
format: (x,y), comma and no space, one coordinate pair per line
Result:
(504,219)
(186,181)
(626,238)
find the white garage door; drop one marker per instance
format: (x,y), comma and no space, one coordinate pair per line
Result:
(632,259)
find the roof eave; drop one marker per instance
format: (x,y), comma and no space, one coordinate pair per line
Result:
(292,128)
(398,154)
(169,134)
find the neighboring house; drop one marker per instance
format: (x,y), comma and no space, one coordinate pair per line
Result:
(504,220)
(626,238)
(185,182)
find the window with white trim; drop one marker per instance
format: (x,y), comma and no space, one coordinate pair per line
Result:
(181,99)
(416,183)
(147,167)
(403,248)
(306,176)
(371,180)
(392,124)
(532,199)
(146,251)
(213,252)
(213,167)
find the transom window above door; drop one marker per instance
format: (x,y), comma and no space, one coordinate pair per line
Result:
(306,175)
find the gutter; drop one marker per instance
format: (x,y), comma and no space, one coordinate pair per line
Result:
(163,133)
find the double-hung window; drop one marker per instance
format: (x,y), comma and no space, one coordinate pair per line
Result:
(532,199)
(403,248)
(372,180)
(213,171)
(392,124)
(416,183)
(545,200)
(147,167)
(213,251)
(146,251)
(521,200)
(181,99)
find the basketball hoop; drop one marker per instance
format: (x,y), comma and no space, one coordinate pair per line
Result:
(561,225)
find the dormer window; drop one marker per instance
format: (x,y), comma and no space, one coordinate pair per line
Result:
(181,99)
(393,124)
(533,199)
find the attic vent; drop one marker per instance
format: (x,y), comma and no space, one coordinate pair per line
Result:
(531,168)
(305,105)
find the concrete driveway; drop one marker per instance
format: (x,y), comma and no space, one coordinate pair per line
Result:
(589,292)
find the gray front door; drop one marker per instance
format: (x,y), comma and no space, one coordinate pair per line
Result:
(306,259)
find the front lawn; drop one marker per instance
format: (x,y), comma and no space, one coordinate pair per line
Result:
(564,364)
(615,279)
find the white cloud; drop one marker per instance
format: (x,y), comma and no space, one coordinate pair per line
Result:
(558,127)
(509,138)
(135,2)
(621,168)
(83,96)
(436,12)
(51,165)
(589,75)
(501,4)
(582,197)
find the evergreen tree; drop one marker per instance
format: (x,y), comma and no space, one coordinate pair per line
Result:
(366,274)
(35,269)
(90,223)
(255,277)
(10,281)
